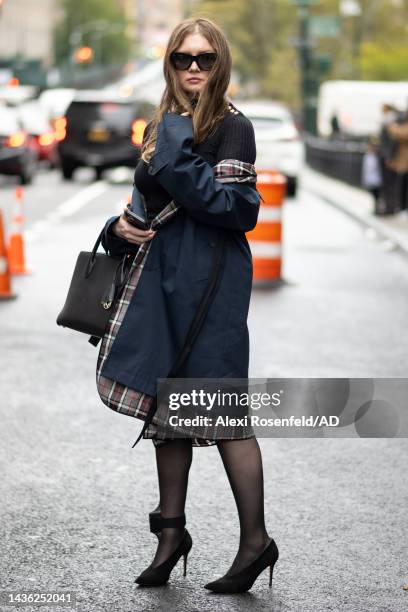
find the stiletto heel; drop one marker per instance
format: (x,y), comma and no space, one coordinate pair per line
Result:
(159,575)
(185,565)
(243,580)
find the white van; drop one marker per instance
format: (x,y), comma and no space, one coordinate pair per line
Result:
(357,105)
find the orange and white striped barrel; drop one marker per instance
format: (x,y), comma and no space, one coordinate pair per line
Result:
(265,239)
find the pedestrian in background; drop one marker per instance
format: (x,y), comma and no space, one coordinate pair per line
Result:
(398,131)
(335,127)
(387,151)
(371,176)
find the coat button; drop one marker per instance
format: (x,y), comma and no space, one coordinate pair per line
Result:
(212,244)
(150,170)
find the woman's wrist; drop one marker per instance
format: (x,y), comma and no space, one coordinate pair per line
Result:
(113,228)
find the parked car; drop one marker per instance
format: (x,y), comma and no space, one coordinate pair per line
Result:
(101,130)
(35,122)
(55,101)
(13,95)
(278,143)
(17,153)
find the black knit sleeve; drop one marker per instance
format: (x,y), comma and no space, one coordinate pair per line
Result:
(189,178)
(237,139)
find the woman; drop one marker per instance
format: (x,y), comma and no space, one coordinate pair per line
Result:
(194,128)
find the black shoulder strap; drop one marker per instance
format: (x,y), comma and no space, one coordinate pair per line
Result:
(196,324)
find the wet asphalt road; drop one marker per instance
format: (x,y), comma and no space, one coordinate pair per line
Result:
(75,495)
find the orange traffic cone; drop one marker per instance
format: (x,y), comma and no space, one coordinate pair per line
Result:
(5,280)
(265,239)
(16,245)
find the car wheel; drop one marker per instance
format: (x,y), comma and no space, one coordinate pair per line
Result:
(291,188)
(27,174)
(67,170)
(98,173)
(28,168)
(26,178)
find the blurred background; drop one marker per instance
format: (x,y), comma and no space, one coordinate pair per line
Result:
(330,65)
(315,73)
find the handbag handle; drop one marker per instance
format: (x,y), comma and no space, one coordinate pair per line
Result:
(92,256)
(115,287)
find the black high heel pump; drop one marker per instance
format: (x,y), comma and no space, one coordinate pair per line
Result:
(243,580)
(159,575)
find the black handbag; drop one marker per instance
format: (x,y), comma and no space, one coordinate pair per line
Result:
(96,284)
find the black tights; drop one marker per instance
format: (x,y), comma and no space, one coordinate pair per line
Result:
(173,465)
(243,464)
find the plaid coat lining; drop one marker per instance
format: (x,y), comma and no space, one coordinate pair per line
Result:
(128,401)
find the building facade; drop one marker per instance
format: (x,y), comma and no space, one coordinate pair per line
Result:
(26,29)
(156,20)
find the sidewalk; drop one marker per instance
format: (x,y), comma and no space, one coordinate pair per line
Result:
(358,204)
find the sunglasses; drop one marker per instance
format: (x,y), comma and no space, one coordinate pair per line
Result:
(183,61)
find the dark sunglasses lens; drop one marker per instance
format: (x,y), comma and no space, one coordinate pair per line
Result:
(181,61)
(206,60)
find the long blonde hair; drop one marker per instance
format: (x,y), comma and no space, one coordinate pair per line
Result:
(212,103)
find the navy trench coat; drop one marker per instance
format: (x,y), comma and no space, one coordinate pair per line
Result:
(177,270)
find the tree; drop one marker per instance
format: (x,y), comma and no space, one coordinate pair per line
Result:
(378,64)
(262,34)
(258,32)
(108,36)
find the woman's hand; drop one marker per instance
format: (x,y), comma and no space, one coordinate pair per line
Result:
(124,229)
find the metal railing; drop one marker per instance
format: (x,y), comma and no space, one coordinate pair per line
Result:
(337,158)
